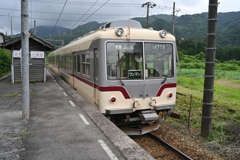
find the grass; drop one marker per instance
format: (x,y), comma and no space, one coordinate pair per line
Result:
(226,108)
(219,74)
(236,82)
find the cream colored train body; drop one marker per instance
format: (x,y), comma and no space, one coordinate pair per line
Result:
(127,72)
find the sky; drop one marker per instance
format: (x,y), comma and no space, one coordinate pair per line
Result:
(71,13)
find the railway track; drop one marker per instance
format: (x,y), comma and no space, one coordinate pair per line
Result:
(158,148)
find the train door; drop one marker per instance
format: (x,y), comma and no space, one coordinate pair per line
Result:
(95,76)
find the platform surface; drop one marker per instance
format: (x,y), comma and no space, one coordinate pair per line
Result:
(62,125)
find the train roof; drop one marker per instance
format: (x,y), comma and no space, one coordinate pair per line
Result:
(130,33)
(122,23)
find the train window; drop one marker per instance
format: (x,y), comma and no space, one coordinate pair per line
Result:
(85,64)
(69,62)
(61,61)
(78,64)
(158,57)
(124,61)
(57,60)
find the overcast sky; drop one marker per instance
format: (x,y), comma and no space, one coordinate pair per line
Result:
(77,12)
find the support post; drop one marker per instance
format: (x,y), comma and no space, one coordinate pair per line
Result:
(206,126)
(151,5)
(25,59)
(11,27)
(35,30)
(147,22)
(173,18)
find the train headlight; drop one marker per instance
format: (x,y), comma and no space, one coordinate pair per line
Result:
(163,33)
(119,31)
(113,99)
(170,95)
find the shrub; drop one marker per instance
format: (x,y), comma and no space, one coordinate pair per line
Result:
(5,61)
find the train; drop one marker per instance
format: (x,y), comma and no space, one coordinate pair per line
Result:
(127,72)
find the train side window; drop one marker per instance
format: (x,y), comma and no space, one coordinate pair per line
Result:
(78,64)
(57,60)
(60,61)
(96,56)
(86,65)
(69,67)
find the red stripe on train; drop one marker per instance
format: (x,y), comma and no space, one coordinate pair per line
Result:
(103,88)
(120,88)
(164,86)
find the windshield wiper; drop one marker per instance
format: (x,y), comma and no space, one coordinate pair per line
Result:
(122,82)
(165,78)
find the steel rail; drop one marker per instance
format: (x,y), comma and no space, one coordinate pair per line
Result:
(169,147)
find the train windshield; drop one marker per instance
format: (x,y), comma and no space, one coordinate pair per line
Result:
(124,60)
(158,60)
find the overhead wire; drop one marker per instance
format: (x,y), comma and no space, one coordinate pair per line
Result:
(59,16)
(92,4)
(86,3)
(68,20)
(84,14)
(74,13)
(94,12)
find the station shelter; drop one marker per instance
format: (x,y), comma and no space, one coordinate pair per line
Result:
(37,58)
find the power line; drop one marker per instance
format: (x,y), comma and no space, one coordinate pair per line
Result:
(76,14)
(59,16)
(68,20)
(84,14)
(94,12)
(86,3)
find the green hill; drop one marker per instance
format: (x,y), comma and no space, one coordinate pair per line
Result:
(190,32)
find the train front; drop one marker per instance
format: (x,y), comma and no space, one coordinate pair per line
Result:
(138,87)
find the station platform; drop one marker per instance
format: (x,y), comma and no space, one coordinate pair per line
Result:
(62,126)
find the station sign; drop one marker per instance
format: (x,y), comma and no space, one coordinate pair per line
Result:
(37,54)
(16,54)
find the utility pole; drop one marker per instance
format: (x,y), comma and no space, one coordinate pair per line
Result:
(11,25)
(151,5)
(206,126)
(173,21)
(25,59)
(173,18)
(35,31)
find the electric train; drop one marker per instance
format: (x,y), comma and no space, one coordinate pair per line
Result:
(127,72)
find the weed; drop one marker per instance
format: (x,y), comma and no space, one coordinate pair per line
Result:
(211,137)
(26,132)
(32,82)
(11,95)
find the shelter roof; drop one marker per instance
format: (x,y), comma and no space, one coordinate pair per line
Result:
(35,43)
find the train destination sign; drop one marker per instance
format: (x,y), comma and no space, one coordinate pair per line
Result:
(134,74)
